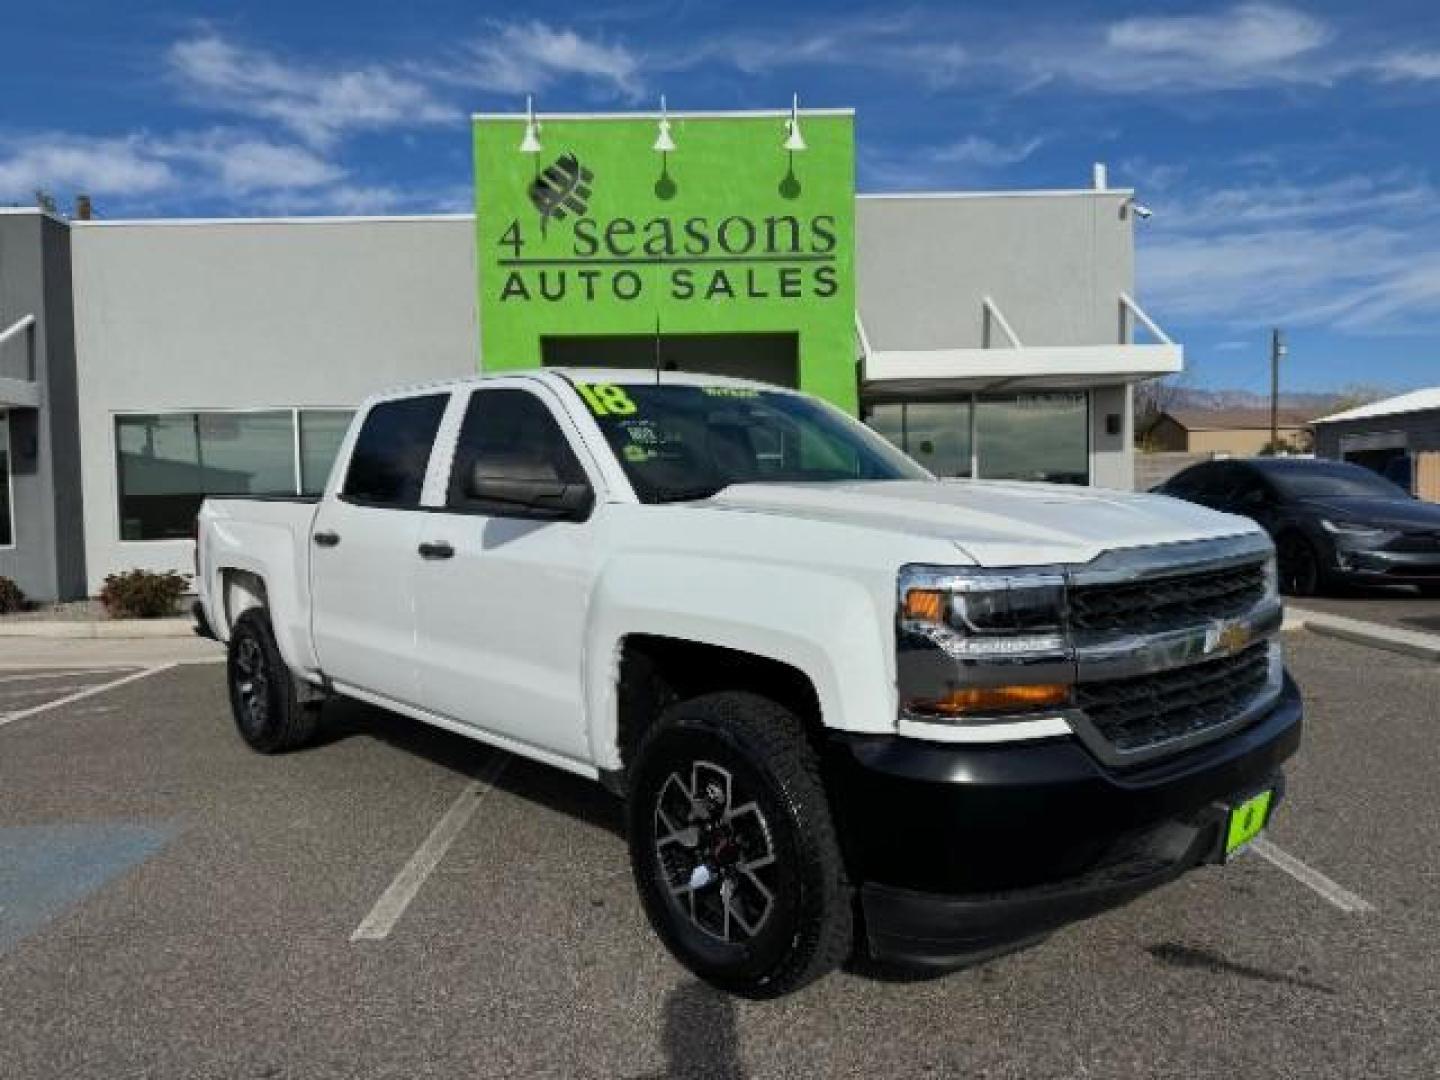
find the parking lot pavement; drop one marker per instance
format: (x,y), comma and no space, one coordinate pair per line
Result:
(1400,607)
(27,690)
(210,931)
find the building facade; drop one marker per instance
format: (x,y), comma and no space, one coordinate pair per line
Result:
(989,335)
(1226,432)
(1398,438)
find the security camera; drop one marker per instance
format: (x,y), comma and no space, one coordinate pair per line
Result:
(1144,213)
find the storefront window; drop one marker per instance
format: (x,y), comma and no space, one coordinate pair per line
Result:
(934,433)
(1017,437)
(321,433)
(169,463)
(1034,437)
(7,524)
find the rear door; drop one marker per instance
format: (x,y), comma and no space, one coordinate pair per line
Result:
(502,599)
(363,550)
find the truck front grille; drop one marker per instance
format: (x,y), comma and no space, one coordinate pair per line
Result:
(1138,607)
(1135,714)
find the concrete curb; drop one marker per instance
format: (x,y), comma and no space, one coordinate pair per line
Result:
(1376,635)
(182,626)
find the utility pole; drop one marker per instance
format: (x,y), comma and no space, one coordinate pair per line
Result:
(1277,350)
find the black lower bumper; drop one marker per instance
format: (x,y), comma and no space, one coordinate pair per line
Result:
(964,849)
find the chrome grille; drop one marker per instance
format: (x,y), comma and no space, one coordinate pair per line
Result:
(1160,603)
(1136,714)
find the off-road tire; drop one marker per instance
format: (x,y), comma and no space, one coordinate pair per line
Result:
(264,698)
(809,929)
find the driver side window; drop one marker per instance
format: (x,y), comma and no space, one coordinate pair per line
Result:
(508,434)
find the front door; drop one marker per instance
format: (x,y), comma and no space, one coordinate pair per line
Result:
(501,602)
(363,551)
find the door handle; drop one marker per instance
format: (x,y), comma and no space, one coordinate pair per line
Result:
(436,551)
(326,539)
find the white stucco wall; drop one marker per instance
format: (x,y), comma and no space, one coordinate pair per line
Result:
(225,315)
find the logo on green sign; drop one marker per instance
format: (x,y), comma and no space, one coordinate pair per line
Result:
(561,187)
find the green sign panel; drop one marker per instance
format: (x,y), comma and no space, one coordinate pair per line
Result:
(599,235)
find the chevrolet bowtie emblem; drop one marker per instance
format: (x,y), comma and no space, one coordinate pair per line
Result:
(1227,638)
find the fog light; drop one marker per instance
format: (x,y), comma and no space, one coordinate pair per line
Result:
(987,700)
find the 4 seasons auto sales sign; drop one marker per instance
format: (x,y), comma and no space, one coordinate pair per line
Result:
(597,233)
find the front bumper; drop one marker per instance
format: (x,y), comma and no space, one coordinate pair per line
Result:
(964,849)
(1388,567)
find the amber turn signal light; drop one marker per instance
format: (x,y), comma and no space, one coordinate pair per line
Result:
(979,700)
(925,605)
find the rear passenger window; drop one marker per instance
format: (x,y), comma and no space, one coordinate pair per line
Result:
(392,451)
(510,433)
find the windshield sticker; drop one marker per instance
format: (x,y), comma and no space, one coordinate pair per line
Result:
(637,454)
(731,392)
(606,399)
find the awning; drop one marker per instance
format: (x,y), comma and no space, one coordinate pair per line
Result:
(1012,364)
(18,393)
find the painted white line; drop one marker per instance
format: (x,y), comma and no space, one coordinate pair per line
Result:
(1338,895)
(394,900)
(75,673)
(10,718)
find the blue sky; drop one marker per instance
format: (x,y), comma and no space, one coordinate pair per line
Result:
(1290,151)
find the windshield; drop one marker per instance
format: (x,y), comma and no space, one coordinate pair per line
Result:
(1333,480)
(687,442)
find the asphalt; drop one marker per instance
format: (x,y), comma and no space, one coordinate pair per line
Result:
(179,907)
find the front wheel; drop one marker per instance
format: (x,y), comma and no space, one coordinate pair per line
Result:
(733,846)
(1299,566)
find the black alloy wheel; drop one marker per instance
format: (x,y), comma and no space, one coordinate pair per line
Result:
(733,846)
(264,700)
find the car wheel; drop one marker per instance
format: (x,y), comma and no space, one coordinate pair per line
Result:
(1299,566)
(733,847)
(263,697)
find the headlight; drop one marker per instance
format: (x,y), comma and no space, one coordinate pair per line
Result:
(979,613)
(1272,577)
(1350,533)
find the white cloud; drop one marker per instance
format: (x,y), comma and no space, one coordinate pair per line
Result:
(1351,253)
(516,58)
(58,162)
(986,153)
(239,164)
(962,163)
(221,165)
(1246,45)
(316,103)
(1419,66)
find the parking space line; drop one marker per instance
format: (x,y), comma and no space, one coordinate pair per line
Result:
(73,673)
(377,925)
(10,718)
(1338,895)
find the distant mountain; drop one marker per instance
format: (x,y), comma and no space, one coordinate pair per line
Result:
(1317,404)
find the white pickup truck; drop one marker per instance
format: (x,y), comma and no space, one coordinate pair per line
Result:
(850,707)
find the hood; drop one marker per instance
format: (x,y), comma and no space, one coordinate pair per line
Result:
(995,523)
(1381,513)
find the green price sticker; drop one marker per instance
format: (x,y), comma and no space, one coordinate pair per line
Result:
(606,399)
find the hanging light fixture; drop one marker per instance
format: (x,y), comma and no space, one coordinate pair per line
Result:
(664,142)
(530,142)
(794,141)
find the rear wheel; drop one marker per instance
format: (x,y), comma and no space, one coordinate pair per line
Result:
(263,696)
(1299,566)
(733,846)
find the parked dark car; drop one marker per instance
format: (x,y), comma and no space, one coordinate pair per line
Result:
(1333,523)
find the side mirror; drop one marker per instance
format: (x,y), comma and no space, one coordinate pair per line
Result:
(521,488)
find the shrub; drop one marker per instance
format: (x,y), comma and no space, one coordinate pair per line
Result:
(143,594)
(11,598)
